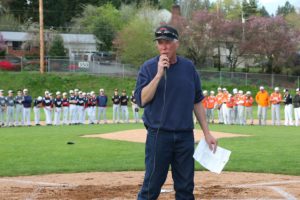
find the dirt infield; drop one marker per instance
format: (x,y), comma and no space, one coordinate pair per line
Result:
(139,135)
(125,185)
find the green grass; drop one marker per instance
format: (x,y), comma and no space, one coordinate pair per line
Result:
(43,150)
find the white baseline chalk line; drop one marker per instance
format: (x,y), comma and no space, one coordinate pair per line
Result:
(38,183)
(268,183)
(283,193)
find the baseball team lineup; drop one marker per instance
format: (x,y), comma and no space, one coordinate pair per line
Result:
(72,109)
(79,107)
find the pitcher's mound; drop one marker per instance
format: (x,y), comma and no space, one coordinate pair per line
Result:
(139,135)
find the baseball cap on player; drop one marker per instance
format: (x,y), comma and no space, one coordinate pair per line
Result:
(39,98)
(46,92)
(64,94)
(285,90)
(261,88)
(235,90)
(241,92)
(25,90)
(219,89)
(224,89)
(71,92)
(101,90)
(212,92)
(297,90)
(1,90)
(205,92)
(276,88)
(10,91)
(76,90)
(58,93)
(166,32)
(248,93)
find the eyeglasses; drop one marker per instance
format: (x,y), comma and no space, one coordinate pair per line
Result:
(165,32)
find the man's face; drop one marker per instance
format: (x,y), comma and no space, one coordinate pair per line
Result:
(116,92)
(167,47)
(10,94)
(19,93)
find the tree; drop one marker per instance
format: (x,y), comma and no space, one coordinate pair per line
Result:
(286,9)
(103,22)
(57,48)
(263,12)
(134,43)
(250,8)
(201,35)
(274,40)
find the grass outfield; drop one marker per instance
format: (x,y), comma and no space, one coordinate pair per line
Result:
(43,150)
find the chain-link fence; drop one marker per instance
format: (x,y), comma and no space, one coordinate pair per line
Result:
(92,67)
(107,68)
(238,78)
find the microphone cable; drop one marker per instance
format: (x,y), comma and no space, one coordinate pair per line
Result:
(160,124)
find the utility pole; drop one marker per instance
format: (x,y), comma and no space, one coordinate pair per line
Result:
(42,66)
(219,49)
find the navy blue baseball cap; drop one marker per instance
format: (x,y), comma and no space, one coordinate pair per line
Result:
(166,32)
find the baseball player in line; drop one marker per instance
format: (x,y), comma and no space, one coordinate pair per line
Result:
(262,100)
(57,102)
(10,108)
(37,105)
(27,101)
(275,100)
(135,107)
(19,120)
(101,104)
(65,109)
(116,106)
(288,108)
(47,104)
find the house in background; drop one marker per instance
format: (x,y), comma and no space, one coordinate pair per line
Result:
(79,46)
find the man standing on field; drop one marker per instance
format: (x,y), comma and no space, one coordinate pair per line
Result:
(262,100)
(168,117)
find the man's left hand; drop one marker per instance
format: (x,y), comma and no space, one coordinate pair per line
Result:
(211,141)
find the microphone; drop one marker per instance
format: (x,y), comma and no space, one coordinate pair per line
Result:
(165,73)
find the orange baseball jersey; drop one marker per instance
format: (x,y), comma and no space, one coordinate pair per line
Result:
(211,102)
(241,100)
(262,98)
(236,99)
(248,101)
(230,102)
(225,98)
(219,98)
(204,102)
(275,98)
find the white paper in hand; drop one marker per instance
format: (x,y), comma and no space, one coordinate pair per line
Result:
(214,162)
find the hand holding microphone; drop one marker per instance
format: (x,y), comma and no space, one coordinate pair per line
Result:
(163,65)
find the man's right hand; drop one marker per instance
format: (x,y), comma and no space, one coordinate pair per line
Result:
(162,63)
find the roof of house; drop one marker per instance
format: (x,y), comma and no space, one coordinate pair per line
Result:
(68,38)
(14,36)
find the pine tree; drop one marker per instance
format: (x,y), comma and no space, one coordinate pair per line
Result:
(57,47)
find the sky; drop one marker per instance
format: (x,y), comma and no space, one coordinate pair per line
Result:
(272,5)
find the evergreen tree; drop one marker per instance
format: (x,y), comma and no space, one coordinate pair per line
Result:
(286,9)
(57,48)
(263,12)
(250,8)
